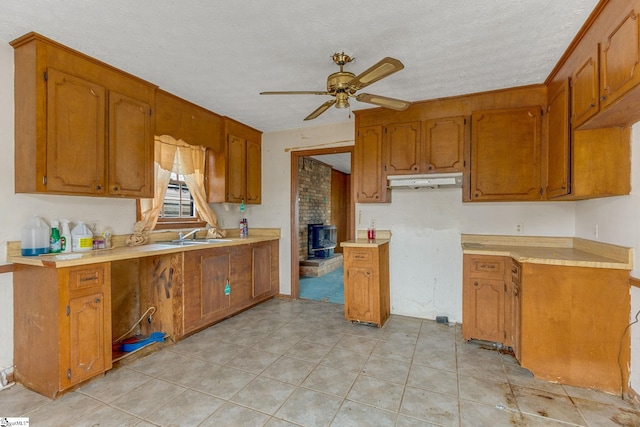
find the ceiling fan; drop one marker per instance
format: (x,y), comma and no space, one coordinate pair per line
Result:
(343,84)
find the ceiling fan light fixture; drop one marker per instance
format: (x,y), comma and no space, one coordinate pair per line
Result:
(342,100)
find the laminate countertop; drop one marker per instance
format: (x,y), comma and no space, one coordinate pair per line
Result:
(361,240)
(567,251)
(159,245)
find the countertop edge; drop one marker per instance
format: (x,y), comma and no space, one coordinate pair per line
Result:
(120,253)
(614,253)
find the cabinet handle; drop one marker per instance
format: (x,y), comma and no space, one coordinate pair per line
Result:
(475,283)
(98,187)
(97,301)
(592,105)
(116,189)
(603,97)
(88,278)
(514,270)
(488,266)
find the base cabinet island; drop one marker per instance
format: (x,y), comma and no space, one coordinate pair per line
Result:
(366,279)
(70,312)
(561,304)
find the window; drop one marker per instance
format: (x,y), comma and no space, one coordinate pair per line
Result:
(178,206)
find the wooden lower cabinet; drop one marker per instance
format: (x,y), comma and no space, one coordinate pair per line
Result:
(62,325)
(573,325)
(486,299)
(565,324)
(219,282)
(366,283)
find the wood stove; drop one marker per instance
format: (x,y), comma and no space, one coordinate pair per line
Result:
(322,240)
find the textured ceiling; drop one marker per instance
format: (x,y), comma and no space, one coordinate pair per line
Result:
(221,54)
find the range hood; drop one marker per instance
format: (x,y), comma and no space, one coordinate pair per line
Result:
(432,180)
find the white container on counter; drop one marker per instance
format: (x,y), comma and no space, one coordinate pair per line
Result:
(81,238)
(35,237)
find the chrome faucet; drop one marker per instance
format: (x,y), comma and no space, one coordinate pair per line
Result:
(181,236)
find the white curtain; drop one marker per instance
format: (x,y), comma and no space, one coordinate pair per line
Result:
(173,155)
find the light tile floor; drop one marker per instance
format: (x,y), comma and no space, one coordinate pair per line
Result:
(299,363)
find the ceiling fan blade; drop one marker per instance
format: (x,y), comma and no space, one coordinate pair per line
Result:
(382,69)
(383,101)
(296,92)
(321,109)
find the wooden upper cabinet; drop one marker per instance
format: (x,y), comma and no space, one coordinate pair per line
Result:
(585,91)
(505,154)
(443,144)
(81,127)
(130,152)
(558,141)
(620,57)
(430,146)
(254,171)
(236,177)
(189,122)
(369,177)
(76,111)
(403,148)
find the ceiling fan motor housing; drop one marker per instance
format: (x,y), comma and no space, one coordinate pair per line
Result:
(339,82)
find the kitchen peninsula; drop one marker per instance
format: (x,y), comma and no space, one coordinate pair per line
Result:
(561,304)
(70,309)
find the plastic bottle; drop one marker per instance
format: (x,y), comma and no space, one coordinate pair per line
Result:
(246,227)
(242,230)
(65,239)
(55,245)
(35,237)
(81,238)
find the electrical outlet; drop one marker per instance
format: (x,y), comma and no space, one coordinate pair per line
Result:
(93,226)
(519,228)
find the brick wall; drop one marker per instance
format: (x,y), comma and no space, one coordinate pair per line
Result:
(314,192)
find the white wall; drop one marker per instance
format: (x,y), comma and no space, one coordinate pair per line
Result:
(425,253)
(618,220)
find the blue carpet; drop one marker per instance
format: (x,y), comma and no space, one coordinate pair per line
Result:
(329,288)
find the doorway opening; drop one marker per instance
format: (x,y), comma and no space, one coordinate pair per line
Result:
(320,195)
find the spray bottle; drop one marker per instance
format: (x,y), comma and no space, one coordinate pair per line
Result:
(65,238)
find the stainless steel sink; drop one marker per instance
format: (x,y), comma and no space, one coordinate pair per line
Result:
(191,242)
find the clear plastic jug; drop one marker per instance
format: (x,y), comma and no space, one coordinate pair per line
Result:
(35,237)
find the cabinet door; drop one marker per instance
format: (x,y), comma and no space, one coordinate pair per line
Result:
(585,100)
(370,180)
(359,293)
(130,147)
(402,143)
(444,144)
(483,306)
(505,154)
(206,274)
(558,149)
(236,169)
(75,135)
(620,55)
(254,172)
(87,337)
(261,267)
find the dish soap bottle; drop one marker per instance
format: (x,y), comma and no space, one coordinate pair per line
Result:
(55,245)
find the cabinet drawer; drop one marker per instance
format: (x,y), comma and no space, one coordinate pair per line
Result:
(359,257)
(487,266)
(86,277)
